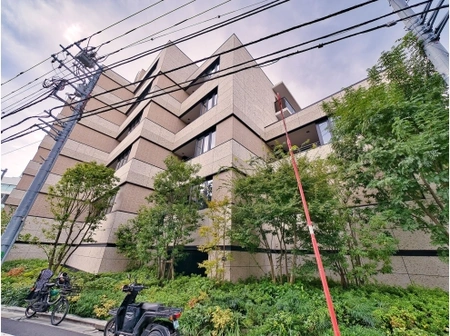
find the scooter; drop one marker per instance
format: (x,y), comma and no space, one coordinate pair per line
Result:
(142,319)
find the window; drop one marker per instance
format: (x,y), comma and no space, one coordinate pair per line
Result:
(324,131)
(123,158)
(134,123)
(111,204)
(205,191)
(208,102)
(141,97)
(131,126)
(147,76)
(205,143)
(204,76)
(213,68)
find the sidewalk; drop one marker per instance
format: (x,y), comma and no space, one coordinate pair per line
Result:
(11,312)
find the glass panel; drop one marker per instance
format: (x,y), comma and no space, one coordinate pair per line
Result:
(205,144)
(203,107)
(199,147)
(208,190)
(325,133)
(213,139)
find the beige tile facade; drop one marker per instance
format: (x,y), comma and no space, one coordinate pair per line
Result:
(245,126)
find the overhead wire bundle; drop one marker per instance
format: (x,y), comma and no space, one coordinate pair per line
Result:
(241,66)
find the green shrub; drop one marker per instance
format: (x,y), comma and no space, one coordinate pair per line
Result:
(254,307)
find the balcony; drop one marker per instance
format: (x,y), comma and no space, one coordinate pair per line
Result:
(286,110)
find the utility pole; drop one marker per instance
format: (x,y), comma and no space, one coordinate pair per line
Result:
(434,50)
(85,59)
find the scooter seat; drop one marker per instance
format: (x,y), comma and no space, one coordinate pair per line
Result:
(151,306)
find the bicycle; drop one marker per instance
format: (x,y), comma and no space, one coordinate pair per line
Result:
(49,297)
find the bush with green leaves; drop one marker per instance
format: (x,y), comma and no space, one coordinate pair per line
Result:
(252,307)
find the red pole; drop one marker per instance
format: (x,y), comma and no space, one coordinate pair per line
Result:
(323,276)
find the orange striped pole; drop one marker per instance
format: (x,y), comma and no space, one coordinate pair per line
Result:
(323,276)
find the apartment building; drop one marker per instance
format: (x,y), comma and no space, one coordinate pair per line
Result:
(8,185)
(221,122)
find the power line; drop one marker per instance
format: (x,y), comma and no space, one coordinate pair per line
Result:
(146,23)
(154,36)
(177,86)
(6,109)
(15,150)
(22,72)
(247,44)
(320,45)
(88,38)
(100,31)
(270,36)
(198,33)
(161,47)
(120,21)
(249,13)
(42,98)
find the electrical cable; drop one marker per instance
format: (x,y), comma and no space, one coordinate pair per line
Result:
(165,14)
(249,13)
(151,37)
(30,96)
(320,45)
(197,33)
(24,99)
(15,150)
(190,26)
(266,63)
(120,21)
(21,122)
(34,80)
(100,31)
(200,32)
(146,23)
(45,96)
(276,59)
(265,38)
(22,72)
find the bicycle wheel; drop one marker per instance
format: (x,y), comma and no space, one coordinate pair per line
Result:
(110,327)
(30,312)
(59,311)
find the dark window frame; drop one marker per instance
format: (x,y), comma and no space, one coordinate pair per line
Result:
(147,76)
(122,158)
(205,189)
(209,101)
(327,131)
(205,142)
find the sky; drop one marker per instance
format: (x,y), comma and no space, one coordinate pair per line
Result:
(32,30)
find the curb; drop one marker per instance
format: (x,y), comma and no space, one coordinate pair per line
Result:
(97,324)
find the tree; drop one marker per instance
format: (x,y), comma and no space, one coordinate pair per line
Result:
(78,202)
(216,236)
(161,229)
(7,214)
(391,141)
(267,207)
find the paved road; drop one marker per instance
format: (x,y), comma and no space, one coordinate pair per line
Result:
(18,325)
(32,328)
